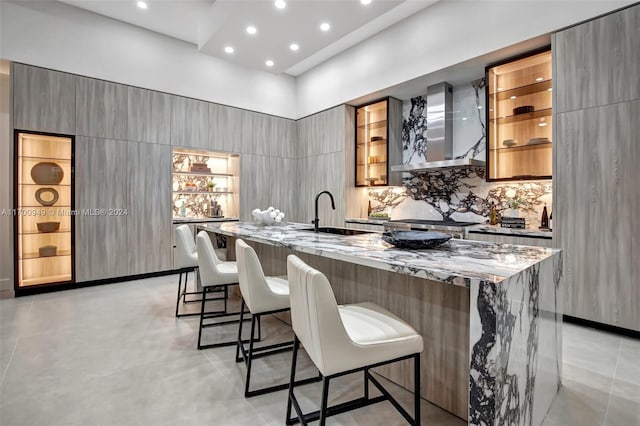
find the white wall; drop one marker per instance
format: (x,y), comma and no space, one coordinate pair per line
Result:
(61,37)
(442,35)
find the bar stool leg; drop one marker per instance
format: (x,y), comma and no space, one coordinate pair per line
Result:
(325,397)
(204,297)
(416,395)
(238,358)
(179,289)
(292,380)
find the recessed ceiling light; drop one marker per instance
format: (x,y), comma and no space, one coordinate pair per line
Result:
(539,79)
(280,4)
(365,1)
(268,63)
(325,26)
(513,97)
(142,4)
(251,30)
(294,47)
(228,49)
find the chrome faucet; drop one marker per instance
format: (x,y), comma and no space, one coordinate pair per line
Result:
(316,221)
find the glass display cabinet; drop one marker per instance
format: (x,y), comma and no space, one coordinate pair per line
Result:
(378,142)
(44,209)
(519,117)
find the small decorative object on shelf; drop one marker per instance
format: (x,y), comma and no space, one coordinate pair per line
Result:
(270,216)
(493,215)
(211,185)
(514,204)
(47,196)
(48,226)
(47,251)
(514,222)
(200,168)
(544,221)
(47,173)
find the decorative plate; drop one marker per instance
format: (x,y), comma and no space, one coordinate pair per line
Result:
(415,239)
(50,199)
(47,173)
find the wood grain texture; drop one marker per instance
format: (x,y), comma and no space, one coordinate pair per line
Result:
(101,109)
(439,312)
(394,140)
(322,133)
(189,123)
(319,173)
(101,182)
(149,116)
(256,129)
(149,226)
(596,180)
(511,239)
(225,128)
(283,137)
(598,62)
(43,100)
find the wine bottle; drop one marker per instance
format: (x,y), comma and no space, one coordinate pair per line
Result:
(544,222)
(369,209)
(493,215)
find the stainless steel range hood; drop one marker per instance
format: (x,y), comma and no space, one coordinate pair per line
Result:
(439,133)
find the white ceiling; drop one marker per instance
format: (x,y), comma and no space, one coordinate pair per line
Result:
(213,24)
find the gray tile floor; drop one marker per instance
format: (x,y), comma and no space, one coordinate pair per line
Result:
(115,355)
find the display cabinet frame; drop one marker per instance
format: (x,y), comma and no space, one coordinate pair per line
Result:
(17,207)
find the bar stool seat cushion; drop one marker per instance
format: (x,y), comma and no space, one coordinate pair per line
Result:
(186,252)
(279,286)
(369,324)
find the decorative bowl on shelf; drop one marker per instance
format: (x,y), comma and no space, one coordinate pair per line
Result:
(524,109)
(371,180)
(47,251)
(538,141)
(47,196)
(510,142)
(376,138)
(48,226)
(47,173)
(415,239)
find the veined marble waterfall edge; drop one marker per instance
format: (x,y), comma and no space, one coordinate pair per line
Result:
(516,346)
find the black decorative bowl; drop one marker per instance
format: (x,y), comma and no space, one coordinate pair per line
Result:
(415,239)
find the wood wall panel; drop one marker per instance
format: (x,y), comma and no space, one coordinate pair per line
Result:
(148,247)
(598,62)
(101,109)
(101,183)
(225,128)
(596,185)
(189,123)
(43,100)
(149,116)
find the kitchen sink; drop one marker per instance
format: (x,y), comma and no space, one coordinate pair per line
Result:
(338,231)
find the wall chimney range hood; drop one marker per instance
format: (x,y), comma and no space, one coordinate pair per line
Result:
(439,134)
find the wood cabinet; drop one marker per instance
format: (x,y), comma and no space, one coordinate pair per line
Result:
(101,109)
(378,143)
(149,116)
(519,117)
(44,203)
(189,122)
(43,100)
(101,239)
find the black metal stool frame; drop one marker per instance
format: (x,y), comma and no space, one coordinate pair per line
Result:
(182,294)
(219,314)
(364,401)
(242,354)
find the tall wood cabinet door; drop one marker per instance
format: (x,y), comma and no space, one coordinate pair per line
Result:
(189,123)
(101,184)
(150,214)
(101,109)
(149,116)
(597,62)
(596,186)
(282,137)
(225,128)
(43,100)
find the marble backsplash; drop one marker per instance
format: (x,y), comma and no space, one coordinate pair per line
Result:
(460,194)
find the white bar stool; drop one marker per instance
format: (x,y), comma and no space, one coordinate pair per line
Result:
(186,261)
(214,274)
(263,296)
(345,339)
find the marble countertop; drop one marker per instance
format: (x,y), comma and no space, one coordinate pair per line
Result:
(497,229)
(203,219)
(456,262)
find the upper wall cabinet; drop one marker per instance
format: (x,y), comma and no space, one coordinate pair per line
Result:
(378,142)
(582,54)
(225,128)
(149,116)
(189,122)
(519,118)
(43,100)
(101,109)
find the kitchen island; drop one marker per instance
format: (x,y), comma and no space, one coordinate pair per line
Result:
(490,314)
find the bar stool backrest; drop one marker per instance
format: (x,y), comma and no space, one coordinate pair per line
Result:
(253,284)
(208,261)
(314,315)
(186,255)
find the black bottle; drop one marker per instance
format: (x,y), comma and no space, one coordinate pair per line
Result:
(544,222)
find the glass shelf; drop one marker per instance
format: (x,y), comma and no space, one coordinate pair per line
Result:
(529,89)
(374,125)
(372,164)
(203,174)
(59,253)
(523,147)
(522,117)
(60,231)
